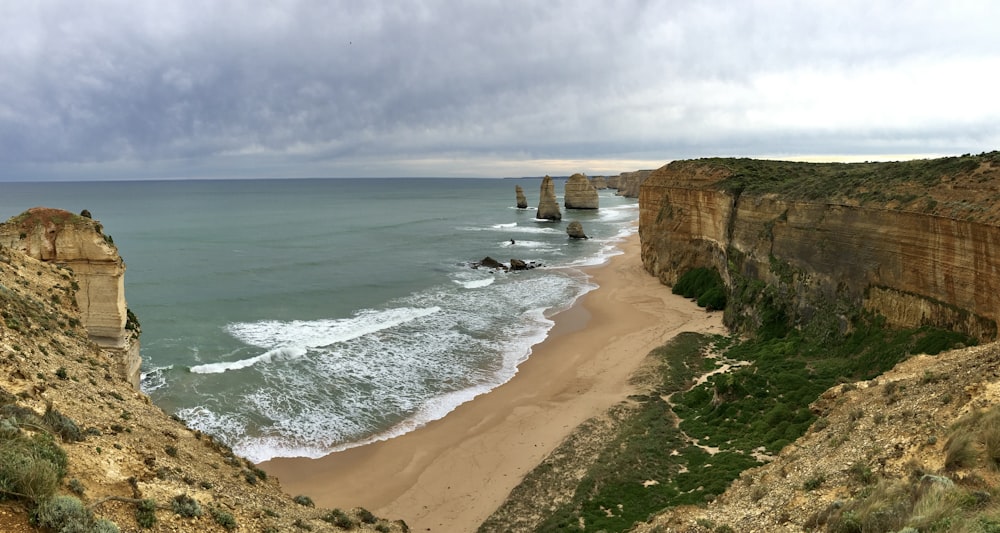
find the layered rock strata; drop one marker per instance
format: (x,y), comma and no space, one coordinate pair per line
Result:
(833,254)
(548,207)
(628,183)
(599,182)
(575,230)
(580,194)
(522,201)
(78,243)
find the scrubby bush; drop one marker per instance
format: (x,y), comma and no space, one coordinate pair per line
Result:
(338,518)
(64,514)
(302,499)
(62,425)
(31,468)
(185,505)
(145,513)
(223,518)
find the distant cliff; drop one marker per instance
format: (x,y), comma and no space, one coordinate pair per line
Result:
(917,242)
(628,183)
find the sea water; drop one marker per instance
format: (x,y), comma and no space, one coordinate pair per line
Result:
(300,317)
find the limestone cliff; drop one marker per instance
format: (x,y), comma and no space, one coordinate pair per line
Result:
(522,201)
(548,207)
(628,183)
(918,242)
(78,243)
(599,182)
(580,194)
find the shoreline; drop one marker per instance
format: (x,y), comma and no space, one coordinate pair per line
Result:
(452,473)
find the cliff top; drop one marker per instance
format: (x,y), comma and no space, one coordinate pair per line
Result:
(83,431)
(961,187)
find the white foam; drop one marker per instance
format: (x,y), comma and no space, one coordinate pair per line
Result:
(500,226)
(154,379)
(286,341)
(512,229)
(476,283)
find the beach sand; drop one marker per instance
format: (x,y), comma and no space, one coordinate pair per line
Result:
(451,474)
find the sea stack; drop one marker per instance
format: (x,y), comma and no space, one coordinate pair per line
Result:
(522,201)
(548,207)
(580,194)
(575,230)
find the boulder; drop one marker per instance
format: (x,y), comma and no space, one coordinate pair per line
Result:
(548,207)
(580,194)
(489,262)
(522,201)
(517,264)
(575,230)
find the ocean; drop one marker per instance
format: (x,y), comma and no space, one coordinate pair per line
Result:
(304,316)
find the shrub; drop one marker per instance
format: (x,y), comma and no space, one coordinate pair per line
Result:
(302,499)
(186,506)
(62,425)
(31,468)
(703,284)
(338,518)
(104,526)
(959,452)
(145,513)
(76,487)
(64,514)
(366,516)
(223,518)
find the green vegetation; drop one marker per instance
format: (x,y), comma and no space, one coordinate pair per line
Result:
(67,514)
(223,518)
(864,181)
(705,285)
(338,518)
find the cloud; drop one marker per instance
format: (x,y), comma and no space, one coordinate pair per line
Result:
(175,89)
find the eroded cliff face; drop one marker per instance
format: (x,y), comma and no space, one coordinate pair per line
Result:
(628,183)
(580,193)
(828,255)
(78,243)
(548,207)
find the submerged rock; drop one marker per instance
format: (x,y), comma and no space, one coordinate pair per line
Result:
(580,193)
(575,230)
(548,207)
(522,201)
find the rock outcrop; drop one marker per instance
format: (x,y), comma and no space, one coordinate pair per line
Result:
(628,183)
(548,207)
(916,242)
(575,230)
(599,182)
(522,201)
(79,244)
(580,194)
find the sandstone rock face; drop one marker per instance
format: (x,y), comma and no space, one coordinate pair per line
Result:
(580,194)
(77,242)
(599,182)
(522,201)
(628,183)
(548,207)
(575,230)
(914,268)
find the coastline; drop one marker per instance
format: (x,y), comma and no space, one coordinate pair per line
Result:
(451,474)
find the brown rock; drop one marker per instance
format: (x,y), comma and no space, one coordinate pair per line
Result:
(522,201)
(580,194)
(548,207)
(575,230)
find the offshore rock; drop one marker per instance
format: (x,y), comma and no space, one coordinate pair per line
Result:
(548,207)
(599,182)
(575,230)
(580,194)
(522,201)
(78,244)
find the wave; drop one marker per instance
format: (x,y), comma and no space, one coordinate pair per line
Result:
(512,228)
(287,341)
(476,283)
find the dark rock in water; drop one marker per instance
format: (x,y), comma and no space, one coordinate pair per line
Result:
(517,264)
(522,200)
(489,262)
(575,230)
(548,207)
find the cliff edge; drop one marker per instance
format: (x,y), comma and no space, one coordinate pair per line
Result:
(917,242)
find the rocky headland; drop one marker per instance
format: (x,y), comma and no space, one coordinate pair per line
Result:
(81,449)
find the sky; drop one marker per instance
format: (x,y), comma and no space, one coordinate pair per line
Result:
(138,89)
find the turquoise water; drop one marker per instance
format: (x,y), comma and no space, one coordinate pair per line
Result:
(299,317)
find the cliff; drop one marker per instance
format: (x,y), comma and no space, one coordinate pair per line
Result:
(917,242)
(73,429)
(580,193)
(599,182)
(79,244)
(629,183)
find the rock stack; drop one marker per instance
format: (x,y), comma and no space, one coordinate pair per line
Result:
(580,194)
(575,230)
(548,207)
(522,201)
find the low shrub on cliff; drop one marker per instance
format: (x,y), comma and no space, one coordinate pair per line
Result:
(31,468)
(705,285)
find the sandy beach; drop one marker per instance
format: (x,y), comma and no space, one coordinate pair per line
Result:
(451,474)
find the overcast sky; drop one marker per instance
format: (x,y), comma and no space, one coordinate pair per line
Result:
(173,89)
